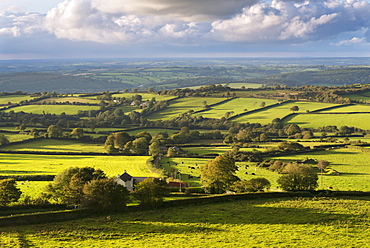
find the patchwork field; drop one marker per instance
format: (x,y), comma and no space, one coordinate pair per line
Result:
(53,109)
(15,137)
(183,105)
(303,222)
(320,120)
(237,106)
(266,116)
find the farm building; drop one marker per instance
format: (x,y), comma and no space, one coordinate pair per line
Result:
(128,181)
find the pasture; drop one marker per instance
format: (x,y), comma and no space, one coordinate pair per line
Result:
(70,99)
(4,100)
(55,145)
(53,109)
(320,120)
(351,164)
(145,96)
(350,108)
(266,116)
(15,137)
(237,106)
(31,164)
(182,105)
(302,222)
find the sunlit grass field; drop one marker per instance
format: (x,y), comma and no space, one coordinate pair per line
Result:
(30,164)
(320,120)
(55,145)
(237,105)
(351,164)
(350,108)
(145,96)
(14,99)
(303,222)
(70,99)
(15,137)
(183,105)
(53,109)
(266,116)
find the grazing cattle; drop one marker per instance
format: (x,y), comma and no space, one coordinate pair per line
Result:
(253,173)
(182,162)
(246,172)
(189,177)
(330,187)
(193,168)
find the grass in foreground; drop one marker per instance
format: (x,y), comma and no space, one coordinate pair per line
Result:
(317,222)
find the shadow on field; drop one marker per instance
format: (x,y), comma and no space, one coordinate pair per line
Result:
(15,172)
(240,213)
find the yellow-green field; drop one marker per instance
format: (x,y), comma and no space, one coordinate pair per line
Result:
(320,120)
(13,99)
(30,164)
(350,108)
(266,116)
(183,105)
(70,99)
(53,109)
(351,164)
(304,222)
(54,145)
(237,105)
(145,96)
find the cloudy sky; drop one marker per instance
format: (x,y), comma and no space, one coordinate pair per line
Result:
(183,28)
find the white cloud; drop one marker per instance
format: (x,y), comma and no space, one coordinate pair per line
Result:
(184,22)
(292,22)
(353,41)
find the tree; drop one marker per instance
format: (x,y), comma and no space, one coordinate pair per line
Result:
(8,191)
(263,104)
(68,185)
(151,191)
(218,174)
(105,195)
(3,139)
(154,148)
(54,131)
(292,129)
(298,177)
(294,108)
(253,185)
(79,132)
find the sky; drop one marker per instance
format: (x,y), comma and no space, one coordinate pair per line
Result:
(57,29)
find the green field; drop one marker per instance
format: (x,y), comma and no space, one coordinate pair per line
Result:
(303,222)
(350,108)
(247,85)
(15,137)
(13,99)
(352,165)
(54,145)
(266,116)
(70,99)
(53,109)
(146,96)
(183,105)
(237,105)
(183,164)
(320,120)
(357,97)
(29,164)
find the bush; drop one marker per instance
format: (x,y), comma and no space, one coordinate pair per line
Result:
(151,191)
(298,177)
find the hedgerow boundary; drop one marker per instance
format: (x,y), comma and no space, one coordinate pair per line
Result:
(65,215)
